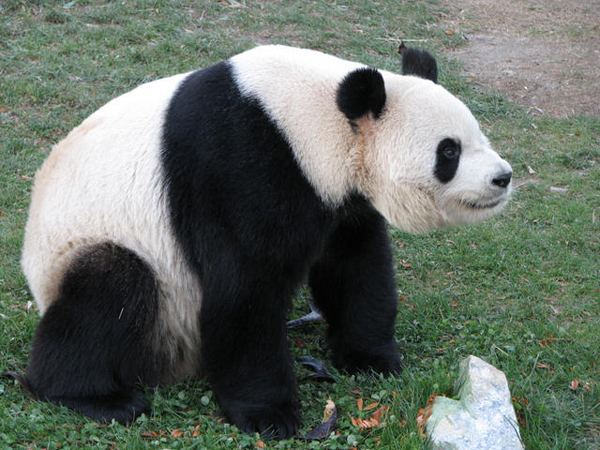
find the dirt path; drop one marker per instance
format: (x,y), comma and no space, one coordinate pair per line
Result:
(544,54)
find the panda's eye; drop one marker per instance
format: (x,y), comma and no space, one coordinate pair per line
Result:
(449,148)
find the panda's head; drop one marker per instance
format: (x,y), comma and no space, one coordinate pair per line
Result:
(422,158)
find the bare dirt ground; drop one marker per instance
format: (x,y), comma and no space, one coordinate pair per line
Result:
(544,54)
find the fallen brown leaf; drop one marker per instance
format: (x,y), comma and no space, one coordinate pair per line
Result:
(424,414)
(176,433)
(371,406)
(154,434)
(545,342)
(324,429)
(372,422)
(378,415)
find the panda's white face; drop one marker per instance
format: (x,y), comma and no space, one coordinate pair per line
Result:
(435,168)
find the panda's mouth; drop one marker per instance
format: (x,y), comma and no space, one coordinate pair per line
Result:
(476,205)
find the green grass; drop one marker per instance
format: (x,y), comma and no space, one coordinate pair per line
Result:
(521,290)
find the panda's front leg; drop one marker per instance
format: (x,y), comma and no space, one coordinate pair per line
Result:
(353,286)
(245,355)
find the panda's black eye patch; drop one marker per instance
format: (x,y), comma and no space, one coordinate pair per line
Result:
(447,159)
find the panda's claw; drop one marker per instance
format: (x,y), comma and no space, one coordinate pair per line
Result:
(386,360)
(277,422)
(123,407)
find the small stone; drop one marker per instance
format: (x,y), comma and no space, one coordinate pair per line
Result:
(558,190)
(482,419)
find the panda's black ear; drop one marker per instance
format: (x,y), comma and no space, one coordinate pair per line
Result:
(418,62)
(362,91)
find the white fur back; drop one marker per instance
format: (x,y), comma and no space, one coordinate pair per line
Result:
(103,182)
(298,90)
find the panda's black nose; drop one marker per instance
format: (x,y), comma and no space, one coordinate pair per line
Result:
(502,180)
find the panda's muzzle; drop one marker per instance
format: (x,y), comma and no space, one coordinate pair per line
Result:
(501,185)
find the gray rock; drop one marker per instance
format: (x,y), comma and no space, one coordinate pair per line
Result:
(482,419)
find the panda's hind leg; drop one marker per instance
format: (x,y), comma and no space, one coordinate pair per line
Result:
(94,345)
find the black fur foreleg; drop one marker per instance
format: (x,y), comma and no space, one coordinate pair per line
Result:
(353,286)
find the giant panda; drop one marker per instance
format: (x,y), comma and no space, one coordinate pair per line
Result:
(169,231)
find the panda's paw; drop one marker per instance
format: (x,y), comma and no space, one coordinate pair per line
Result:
(280,421)
(386,364)
(384,360)
(122,407)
